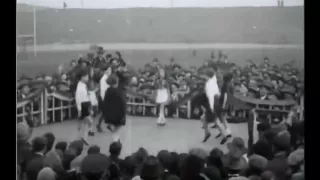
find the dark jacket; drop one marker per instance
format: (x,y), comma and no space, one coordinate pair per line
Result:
(114,110)
(34,167)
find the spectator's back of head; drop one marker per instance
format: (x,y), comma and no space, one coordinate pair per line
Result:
(77,145)
(68,156)
(50,140)
(62,146)
(94,150)
(165,159)
(214,157)
(140,156)
(115,149)
(267,175)
(191,167)
(150,169)
(39,144)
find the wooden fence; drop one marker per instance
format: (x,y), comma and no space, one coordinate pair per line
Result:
(54,107)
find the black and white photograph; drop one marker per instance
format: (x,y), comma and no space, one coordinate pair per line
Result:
(160,89)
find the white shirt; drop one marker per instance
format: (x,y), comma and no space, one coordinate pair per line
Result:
(103,85)
(212,89)
(82,94)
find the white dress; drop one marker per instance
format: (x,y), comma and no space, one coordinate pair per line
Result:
(162,96)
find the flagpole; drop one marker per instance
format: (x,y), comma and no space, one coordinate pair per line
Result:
(34,32)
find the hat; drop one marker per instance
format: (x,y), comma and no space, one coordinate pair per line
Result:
(77,145)
(267,84)
(150,168)
(46,174)
(199,153)
(288,90)
(282,140)
(52,159)
(239,144)
(258,162)
(95,163)
(100,50)
(25,77)
(263,126)
(165,159)
(296,157)
(267,175)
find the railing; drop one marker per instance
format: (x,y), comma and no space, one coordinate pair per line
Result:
(55,107)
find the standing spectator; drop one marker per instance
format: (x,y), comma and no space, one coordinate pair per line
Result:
(35,164)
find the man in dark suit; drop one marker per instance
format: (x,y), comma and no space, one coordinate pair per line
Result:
(35,162)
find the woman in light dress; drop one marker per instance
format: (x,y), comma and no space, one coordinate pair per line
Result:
(162,96)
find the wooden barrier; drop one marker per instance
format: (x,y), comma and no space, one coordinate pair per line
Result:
(57,104)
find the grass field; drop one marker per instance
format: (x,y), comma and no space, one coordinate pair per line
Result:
(48,62)
(265,25)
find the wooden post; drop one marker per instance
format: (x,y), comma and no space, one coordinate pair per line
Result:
(301,108)
(42,113)
(189,109)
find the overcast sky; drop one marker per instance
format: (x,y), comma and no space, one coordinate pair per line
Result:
(159,3)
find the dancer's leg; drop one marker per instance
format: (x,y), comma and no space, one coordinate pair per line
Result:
(163,119)
(204,119)
(116,133)
(99,129)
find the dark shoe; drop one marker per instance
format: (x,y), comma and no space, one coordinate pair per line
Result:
(224,140)
(219,135)
(229,136)
(85,142)
(214,126)
(109,128)
(206,137)
(99,129)
(91,133)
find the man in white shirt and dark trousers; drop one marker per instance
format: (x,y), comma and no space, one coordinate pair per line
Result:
(103,88)
(84,107)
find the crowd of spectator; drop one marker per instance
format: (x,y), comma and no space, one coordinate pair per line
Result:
(265,81)
(277,155)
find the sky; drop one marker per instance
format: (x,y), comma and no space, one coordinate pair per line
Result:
(106,4)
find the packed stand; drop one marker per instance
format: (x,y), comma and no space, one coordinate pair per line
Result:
(278,154)
(265,81)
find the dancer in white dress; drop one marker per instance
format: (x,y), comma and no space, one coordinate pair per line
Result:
(162,96)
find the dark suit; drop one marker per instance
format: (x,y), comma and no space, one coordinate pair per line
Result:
(34,166)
